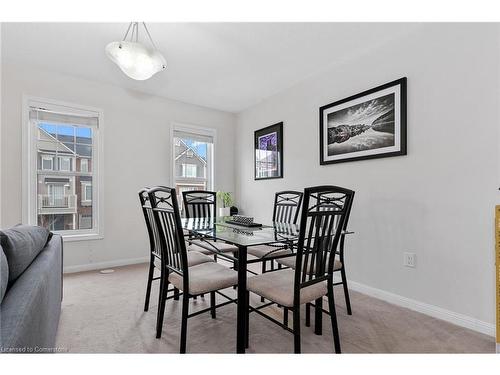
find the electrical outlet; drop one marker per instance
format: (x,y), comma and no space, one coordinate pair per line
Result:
(410,260)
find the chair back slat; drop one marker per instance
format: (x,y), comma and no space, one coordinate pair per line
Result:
(168,221)
(200,203)
(147,210)
(323,217)
(287,206)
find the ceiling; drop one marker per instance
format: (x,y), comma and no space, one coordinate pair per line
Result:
(226,66)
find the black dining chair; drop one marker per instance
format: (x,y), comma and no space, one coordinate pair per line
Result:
(286,210)
(208,277)
(322,220)
(194,257)
(339,265)
(203,204)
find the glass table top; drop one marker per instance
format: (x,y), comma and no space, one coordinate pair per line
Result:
(241,235)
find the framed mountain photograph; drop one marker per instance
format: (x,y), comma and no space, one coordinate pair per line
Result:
(368,125)
(268,155)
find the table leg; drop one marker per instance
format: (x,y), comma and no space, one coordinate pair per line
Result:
(318,316)
(242,301)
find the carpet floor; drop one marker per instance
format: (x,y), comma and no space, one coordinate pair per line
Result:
(103,313)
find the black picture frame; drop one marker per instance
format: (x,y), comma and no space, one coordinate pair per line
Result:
(333,146)
(268,145)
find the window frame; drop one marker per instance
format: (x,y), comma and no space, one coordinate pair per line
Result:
(197,130)
(29,166)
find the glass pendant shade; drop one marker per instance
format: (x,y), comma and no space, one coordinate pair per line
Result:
(135,59)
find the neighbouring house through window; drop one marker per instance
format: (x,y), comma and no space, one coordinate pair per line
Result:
(193,160)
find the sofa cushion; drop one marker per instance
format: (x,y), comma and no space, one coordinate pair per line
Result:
(21,245)
(4,273)
(29,313)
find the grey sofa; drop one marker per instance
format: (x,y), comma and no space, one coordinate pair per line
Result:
(31,289)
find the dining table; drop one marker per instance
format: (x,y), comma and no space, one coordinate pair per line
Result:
(220,229)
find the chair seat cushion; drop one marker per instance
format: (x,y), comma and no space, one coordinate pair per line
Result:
(193,257)
(198,249)
(202,245)
(277,286)
(206,277)
(266,251)
(290,262)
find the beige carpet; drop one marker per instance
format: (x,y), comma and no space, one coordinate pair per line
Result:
(104,314)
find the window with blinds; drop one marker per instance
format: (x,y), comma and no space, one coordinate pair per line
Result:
(193,160)
(63,173)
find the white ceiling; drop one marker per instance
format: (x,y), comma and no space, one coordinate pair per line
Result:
(227,66)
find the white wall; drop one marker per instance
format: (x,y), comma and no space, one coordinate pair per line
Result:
(137,153)
(1,175)
(437,201)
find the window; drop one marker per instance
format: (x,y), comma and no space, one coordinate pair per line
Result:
(47,163)
(85,221)
(84,165)
(56,196)
(86,192)
(60,195)
(64,164)
(189,170)
(193,159)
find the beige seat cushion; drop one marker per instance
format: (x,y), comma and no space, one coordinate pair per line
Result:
(198,249)
(221,246)
(193,257)
(265,251)
(206,277)
(290,262)
(277,286)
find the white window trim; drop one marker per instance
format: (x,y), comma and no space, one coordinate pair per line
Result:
(190,128)
(29,166)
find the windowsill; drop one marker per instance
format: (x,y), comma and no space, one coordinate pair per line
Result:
(81,237)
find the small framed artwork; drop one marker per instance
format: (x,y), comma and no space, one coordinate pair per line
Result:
(268,155)
(368,125)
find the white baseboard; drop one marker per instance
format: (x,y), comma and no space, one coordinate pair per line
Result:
(101,265)
(424,308)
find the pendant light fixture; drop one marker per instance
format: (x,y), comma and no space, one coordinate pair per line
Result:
(134,58)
